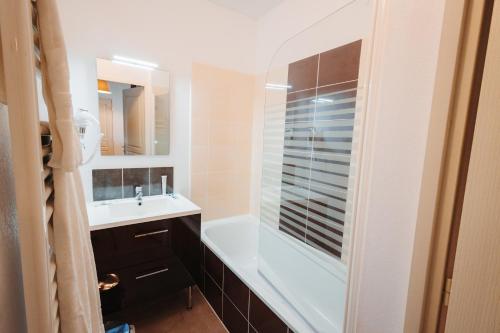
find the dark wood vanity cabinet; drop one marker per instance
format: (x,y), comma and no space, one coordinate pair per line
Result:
(151,260)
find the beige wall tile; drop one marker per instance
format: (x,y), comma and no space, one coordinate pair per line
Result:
(199,159)
(223,106)
(223,159)
(224,133)
(199,183)
(202,202)
(200,131)
(257,145)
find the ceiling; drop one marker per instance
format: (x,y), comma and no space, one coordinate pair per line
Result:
(252,8)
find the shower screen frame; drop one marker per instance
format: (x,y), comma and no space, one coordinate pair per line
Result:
(275,80)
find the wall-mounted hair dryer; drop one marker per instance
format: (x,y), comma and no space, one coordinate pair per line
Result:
(83,121)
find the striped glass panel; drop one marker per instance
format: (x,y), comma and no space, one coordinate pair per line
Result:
(309,151)
(318,135)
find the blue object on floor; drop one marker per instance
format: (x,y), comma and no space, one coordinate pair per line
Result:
(124,328)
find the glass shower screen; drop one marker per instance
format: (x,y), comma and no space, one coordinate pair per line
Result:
(313,121)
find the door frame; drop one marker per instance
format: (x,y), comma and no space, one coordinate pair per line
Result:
(460,63)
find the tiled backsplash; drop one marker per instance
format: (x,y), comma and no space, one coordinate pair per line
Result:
(111,184)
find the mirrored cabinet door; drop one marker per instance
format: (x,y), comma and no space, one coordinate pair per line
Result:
(134,109)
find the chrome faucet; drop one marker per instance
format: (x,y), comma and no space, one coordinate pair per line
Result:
(138,195)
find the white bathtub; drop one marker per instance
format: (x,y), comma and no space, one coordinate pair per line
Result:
(270,270)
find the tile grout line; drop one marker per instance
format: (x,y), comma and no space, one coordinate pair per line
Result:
(212,308)
(123,190)
(247,319)
(213,280)
(323,86)
(221,317)
(222,292)
(248,311)
(204,270)
(149,181)
(232,302)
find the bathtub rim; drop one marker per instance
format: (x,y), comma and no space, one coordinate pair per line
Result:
(333,265)
(304,325)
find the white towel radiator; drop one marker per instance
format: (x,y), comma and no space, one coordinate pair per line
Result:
(33,186)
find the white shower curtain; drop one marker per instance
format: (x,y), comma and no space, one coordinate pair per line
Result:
(78,294)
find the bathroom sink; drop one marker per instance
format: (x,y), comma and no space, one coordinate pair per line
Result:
(126,208)
(113,213)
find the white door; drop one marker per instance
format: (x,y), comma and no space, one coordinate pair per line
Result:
(134,121)
(106,124)
(474,304)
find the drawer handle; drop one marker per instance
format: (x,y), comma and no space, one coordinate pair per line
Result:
(151,233)
(150,274)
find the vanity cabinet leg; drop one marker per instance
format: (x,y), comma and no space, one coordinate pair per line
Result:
(189,298)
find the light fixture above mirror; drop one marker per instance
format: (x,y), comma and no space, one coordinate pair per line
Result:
(134,62)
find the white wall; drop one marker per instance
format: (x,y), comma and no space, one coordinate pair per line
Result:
(287,20)
(11,287)
(172,33)
(402,96)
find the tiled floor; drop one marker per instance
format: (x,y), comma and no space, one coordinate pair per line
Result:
(171,316)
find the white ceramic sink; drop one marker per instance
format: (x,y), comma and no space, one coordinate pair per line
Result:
(128,208)
(113,213)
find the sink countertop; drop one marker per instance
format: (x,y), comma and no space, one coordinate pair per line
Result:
(121,212)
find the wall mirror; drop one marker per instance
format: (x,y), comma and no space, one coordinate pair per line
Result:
(134,108)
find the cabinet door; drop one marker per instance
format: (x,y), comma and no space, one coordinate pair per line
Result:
(120,247)
(143,236)
(149,281)
(104,246)
(186,244)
